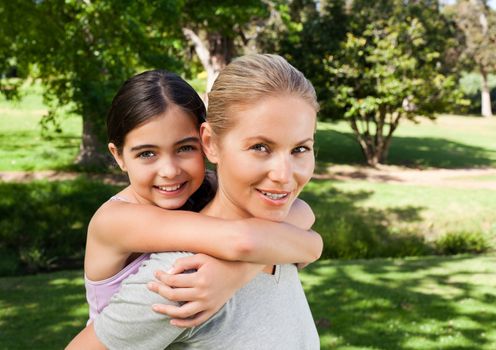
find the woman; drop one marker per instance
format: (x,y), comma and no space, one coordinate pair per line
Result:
(259,133)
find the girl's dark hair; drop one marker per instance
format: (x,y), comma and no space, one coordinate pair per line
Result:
(146,96)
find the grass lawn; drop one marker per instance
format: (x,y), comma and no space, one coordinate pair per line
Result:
(428,303)
(447,142)
(22,146)
(432,210)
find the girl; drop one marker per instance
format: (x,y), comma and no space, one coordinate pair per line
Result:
(260,129)
(153,132)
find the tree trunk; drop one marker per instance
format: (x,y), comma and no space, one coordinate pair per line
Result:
(366,143)
(486,110)
(92,153)
(214,55)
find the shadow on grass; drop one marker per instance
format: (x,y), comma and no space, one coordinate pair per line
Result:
(351,231)
(43,224)
(42,311)
(387,305)
(342,148)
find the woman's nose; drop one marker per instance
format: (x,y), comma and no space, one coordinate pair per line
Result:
(281,169)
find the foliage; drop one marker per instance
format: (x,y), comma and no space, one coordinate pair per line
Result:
(471,84)
(305,31)
(82,52)
(462,242)
(477,24)
(387,70)
(43,225)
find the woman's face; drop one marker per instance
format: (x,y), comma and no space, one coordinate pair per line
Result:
(265,159)
(163,159)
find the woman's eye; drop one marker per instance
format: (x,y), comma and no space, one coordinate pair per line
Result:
(301,149)
(146,154)
(260,147)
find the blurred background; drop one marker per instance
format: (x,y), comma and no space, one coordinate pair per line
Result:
(405,185)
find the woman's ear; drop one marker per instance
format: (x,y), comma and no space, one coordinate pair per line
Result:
(209,142)
(117,156)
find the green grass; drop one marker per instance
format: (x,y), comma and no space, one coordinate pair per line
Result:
(429,303)
(447,142)
(22,145)
(432,209)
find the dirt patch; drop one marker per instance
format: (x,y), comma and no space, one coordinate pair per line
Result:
(462,178)
(51,175)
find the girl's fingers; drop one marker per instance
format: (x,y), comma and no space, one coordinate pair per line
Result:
(182,280)
(174,294)
(178,312)
(186,263)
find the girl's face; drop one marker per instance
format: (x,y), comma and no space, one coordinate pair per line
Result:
(265,159)
(163,159)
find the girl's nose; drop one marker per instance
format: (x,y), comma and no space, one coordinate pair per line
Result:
(169,169)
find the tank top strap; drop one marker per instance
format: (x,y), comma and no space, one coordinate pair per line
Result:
(118,198)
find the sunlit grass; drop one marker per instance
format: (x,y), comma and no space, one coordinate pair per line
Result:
(23,147)
(428,303)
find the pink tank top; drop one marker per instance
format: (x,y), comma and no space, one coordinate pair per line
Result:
(98,293)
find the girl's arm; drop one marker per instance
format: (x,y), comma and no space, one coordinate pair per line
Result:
(86,339)
(129,227)
(214,281)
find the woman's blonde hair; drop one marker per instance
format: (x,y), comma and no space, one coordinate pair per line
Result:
(249,79)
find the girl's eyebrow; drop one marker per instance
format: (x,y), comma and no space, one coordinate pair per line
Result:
(148,146)
(188,139)
(141,147)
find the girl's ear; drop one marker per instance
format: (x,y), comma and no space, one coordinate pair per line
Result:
(117,156)
(209,143)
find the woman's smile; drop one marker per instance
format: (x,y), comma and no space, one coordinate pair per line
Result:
(261,166)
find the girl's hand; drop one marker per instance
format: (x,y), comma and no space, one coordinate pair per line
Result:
(203,291)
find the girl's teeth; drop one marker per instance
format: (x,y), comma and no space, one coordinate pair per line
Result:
(274,196)
(169,188)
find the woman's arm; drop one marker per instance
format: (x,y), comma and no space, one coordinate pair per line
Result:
(129,227)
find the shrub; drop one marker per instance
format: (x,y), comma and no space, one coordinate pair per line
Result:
(43,225)
(462,242)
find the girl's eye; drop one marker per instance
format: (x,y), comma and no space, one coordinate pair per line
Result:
(301,149)
(187,148)
(146,154)
(260,147)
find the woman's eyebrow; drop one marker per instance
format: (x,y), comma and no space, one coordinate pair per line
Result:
(269,141)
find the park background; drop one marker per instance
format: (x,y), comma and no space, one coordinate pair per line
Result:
(405,185)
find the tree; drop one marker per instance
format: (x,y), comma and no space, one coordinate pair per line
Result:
(478,24)
(218,30)
(83,50)
(390,67)
(304,32)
